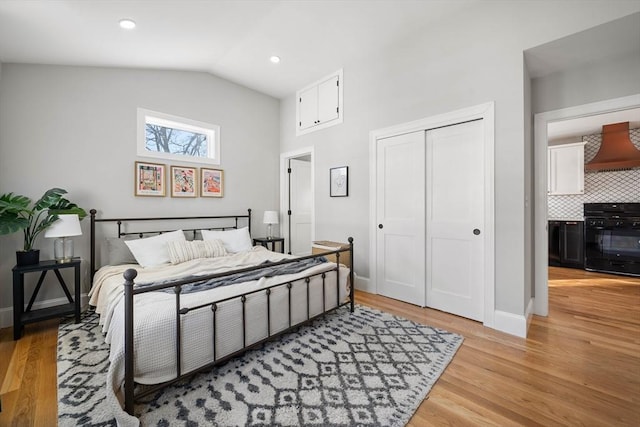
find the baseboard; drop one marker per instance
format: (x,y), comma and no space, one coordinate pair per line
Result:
(513,324)
(6,314)
(529,313)
(364,284)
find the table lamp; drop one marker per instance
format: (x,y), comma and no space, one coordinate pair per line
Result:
(62,229)
(270,217)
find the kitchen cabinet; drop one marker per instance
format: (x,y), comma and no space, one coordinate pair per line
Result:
(566,169)
(566,244)
(319,104)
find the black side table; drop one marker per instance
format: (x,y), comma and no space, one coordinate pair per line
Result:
(266,241)
(22,316)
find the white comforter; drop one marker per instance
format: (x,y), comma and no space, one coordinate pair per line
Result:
(154,317)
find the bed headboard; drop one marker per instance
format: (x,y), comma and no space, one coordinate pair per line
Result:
(127,226)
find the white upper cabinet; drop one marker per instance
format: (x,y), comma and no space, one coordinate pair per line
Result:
(566,169)
(319,104)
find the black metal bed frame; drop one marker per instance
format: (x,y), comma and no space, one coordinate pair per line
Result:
(130,291)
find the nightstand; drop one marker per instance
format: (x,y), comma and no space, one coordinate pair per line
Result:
(22,316)
(266,241)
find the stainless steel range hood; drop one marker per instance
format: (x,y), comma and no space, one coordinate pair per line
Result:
(616,151)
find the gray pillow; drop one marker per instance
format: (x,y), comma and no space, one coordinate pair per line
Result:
(118,252)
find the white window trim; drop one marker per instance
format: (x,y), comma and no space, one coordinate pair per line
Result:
(212,131)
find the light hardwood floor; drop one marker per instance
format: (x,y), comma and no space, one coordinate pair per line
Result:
(579,366)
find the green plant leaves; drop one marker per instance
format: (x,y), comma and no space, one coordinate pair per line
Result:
(10,223)
(49,199)
(16,215)
(14,204)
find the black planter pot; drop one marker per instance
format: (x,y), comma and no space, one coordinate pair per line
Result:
(28,257)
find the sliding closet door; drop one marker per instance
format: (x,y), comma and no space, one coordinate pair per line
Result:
(455,219)
(400,220)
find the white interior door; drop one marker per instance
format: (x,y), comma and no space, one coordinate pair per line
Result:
(455,219)
(400,210)
(301,205)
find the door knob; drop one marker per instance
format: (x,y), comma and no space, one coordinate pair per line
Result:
(380,226)
(476,231)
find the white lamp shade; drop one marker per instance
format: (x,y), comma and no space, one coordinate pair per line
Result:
(65,226)
(270,217)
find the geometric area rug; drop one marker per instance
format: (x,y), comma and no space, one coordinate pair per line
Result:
(366,368)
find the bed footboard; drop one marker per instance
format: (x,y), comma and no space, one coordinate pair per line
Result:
(130,292)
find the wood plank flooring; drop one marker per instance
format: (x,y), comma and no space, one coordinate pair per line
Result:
(579,366)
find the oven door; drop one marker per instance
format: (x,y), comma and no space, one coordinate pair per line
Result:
(612,245)
(621,244)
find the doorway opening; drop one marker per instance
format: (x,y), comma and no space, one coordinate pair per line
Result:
(541,244)
(297,200)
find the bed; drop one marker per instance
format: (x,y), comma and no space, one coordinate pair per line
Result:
(167,321)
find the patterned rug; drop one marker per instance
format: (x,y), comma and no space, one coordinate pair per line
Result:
(366,368)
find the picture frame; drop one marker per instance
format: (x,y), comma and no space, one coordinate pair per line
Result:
(211,182)
(339,181)
(184,181)
(150,179)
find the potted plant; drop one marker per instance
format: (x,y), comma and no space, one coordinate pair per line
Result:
(17,213)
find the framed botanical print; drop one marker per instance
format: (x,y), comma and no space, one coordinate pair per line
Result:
(212,182)
(339,181)
(150,179)
(184,181)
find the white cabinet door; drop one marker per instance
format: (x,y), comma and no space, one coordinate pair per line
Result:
(308,108)
(328,100)
(566,169)
(320,104)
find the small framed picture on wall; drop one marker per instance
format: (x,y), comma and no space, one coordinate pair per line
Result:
(339,181)
(184,181)
(150,179)
(212,182)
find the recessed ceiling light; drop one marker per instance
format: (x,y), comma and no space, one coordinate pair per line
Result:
(127,24)
(274,59)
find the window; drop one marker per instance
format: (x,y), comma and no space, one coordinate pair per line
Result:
(170,137)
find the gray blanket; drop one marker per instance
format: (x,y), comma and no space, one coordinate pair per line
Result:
(265,271)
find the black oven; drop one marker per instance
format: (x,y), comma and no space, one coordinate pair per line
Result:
(612,237)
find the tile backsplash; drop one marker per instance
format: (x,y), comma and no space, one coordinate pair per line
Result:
(599,187)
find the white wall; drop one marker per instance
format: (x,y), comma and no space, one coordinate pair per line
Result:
(467,60)
(75,128)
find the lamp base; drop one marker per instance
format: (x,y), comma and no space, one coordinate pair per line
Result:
(63,249)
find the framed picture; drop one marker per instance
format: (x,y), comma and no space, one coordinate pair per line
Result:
(339,181)
(184,181)
(212,182)
(149,179)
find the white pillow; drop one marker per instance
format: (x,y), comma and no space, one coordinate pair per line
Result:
(184,251)
(153,251)
(234,240)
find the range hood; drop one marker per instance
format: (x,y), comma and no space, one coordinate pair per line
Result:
(616,151)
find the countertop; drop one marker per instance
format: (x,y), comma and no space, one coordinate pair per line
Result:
(566,219)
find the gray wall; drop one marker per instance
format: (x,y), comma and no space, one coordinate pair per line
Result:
(472,58)
(75,128)
(615,78)
(529,288)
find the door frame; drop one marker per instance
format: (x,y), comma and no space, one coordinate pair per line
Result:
(541,244)
(482,111)
(284,193)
